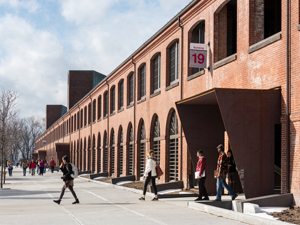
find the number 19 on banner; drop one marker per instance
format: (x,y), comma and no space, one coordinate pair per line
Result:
(198,55)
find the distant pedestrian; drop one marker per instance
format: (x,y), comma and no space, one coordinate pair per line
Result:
(28,165)
(32,167)
(45,165)
(41,165)
(150,173)
(232,170)
(24,166)
(10,167)
(37,164)
(52,164)
(66,168)
(222,168)
(201,169)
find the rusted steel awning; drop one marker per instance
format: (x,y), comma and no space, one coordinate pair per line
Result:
(249,117)
(62,149)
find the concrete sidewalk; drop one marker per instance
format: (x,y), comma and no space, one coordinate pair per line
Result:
(29,201)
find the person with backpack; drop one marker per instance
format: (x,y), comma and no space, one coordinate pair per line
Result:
(24,166)
(41,165)
(67,169)
(150,173)
(222,168)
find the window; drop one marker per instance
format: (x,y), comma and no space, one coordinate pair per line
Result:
(78,119)
(121,94)
(142,148)
(112,147)
(99,107)
(155,78)
(112,99)
(89,113)
(142,81)
(106,104)
(121,158)
(130,89)
(75,121)
(173,147)
(81,118)
(197,36)
(130,150)
(85,116)
(173,62)
(94,110)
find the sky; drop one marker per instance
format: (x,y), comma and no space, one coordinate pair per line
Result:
(41,40)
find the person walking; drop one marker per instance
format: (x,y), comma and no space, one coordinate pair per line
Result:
(28,165)
(41,165)
(52,164)
(150,173)
(232,170)
(222,168)
(66,168)
(32,167)
(24,166)
(201,169)
(10,167)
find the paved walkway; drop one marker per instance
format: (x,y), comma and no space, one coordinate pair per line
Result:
(29,201)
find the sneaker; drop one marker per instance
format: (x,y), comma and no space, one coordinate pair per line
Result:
(154,199)
(206,198)
(198,199)
(234,197)
(57,201)
(142,199)
(76,202)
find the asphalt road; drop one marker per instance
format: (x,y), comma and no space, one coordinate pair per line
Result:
(28,200)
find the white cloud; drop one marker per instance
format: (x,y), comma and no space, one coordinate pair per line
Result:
(32,64)
(29,5)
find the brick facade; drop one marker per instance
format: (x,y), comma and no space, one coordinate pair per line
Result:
(259,64)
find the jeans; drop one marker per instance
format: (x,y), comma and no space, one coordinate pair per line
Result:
(24,171)
(10,171)
(149,177)
(32,171)
(41,171)
(221,182)
(52,169)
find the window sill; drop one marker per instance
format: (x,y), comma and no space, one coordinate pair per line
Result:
(265,42)
(99,120)
(225,61)
(105,117)
(193,76)
(172,86)
(142,100)
(113,113)
(155,94)
(129,106)
(121,109)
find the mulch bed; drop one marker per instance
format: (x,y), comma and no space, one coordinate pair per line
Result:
(105,179)
(290,215)
(137,185)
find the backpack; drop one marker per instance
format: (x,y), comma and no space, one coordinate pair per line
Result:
(74,171)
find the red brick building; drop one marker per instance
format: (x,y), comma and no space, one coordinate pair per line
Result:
(153,100)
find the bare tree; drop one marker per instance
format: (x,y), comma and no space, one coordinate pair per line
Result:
(31,128)
(8,116)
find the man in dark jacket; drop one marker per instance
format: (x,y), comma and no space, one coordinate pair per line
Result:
(66,168)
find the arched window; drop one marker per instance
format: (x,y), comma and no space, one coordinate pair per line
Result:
(130,90)
(80,155)
(173,147)
(99,153)
(121,151)
(75,121)
(106,104)
(142,82)
(89,114)
(81,118)
(113,99)
(112,146)
(105,142)
(94,110)
(85,116)
(173,63)
(156,138)
(99,107)
(130,149)
(84,156)
(155,73)
(94,155)
(142,145)
(197,36)
(121,94)
(89,153)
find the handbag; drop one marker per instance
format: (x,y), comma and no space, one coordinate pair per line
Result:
(197,175)
(159,171)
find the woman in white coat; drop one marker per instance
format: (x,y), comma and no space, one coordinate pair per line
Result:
(150,173)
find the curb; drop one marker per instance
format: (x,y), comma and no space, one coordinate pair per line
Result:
(246,218)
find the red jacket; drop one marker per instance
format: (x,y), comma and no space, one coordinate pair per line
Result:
(32,165)
(201,165)
(52,163)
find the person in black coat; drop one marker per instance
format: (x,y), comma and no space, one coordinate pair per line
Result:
(232,170)
(66,168)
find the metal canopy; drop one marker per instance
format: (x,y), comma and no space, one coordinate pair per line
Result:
(249,117)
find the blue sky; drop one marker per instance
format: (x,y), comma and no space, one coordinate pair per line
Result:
(41,40)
